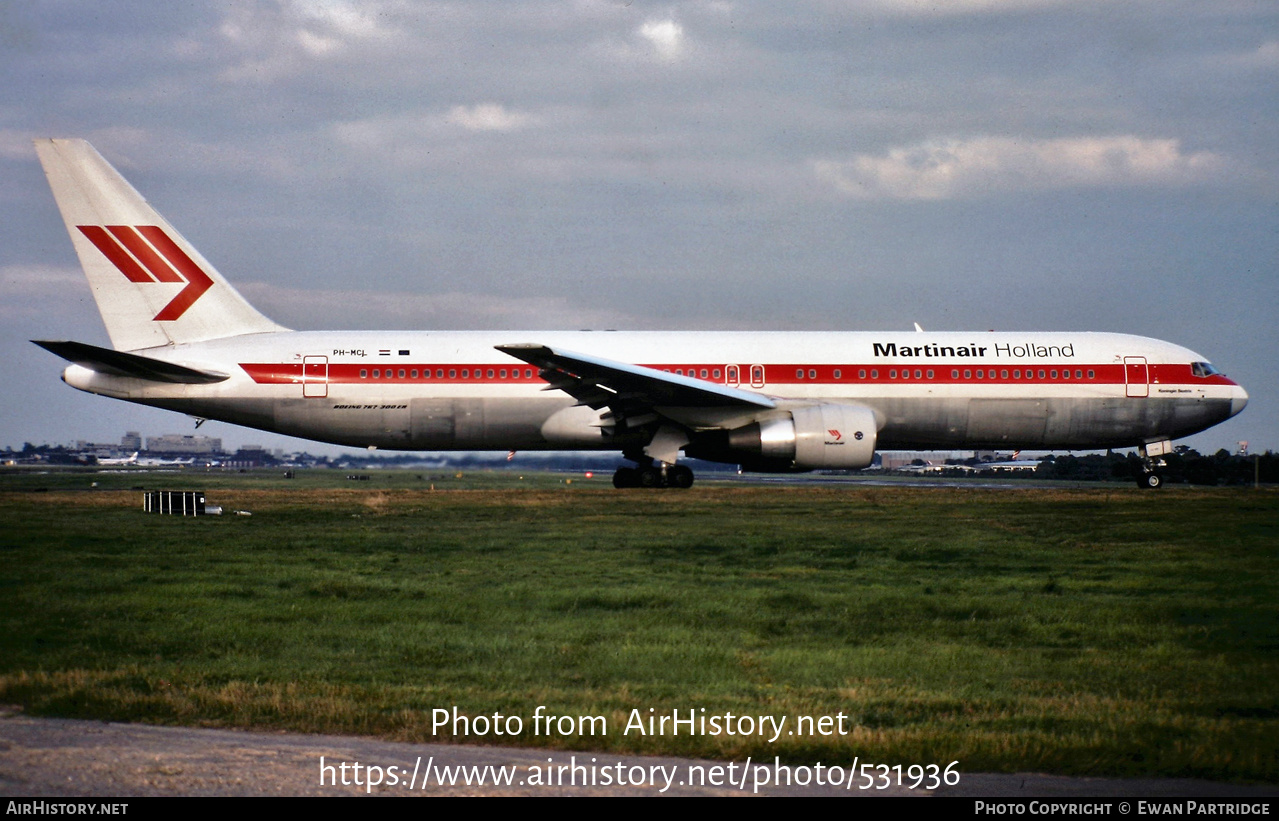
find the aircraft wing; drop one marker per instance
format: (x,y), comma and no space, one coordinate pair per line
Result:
(119,363)
(603,382)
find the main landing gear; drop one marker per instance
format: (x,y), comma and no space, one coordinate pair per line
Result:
(654,475)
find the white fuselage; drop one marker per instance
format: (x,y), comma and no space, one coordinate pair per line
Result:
(428,390)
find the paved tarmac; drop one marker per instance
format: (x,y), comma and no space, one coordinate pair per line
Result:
(43,757)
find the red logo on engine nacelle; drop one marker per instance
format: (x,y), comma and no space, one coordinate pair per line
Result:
(834,433)
(145,254)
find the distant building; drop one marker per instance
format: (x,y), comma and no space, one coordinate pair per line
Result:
(179,443)
(84,447)
(132,440)
(249,456)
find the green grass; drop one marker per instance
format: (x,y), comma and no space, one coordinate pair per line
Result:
(1092,631)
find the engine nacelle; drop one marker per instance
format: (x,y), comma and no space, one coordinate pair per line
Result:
(810,437)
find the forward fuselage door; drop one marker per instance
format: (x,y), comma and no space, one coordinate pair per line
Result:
(315,377)
(1136,377)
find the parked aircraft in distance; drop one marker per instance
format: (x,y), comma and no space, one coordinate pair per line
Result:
(185,340)
(127,460)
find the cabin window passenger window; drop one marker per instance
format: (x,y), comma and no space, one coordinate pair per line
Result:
(715,373)
(968,374)
(1017,374)
(981,374)
(861,374)
(1052,374)
(930,373)
(954,373)
(703,372)
(377,373)
(490,373)
(364,373)
(1003,374)
(413,374)
(874,374)
(401,373)
(837,373)
(799,373)
(892,374)
(452,373)
(919,374)
(1041,373)
(1079,374)
(812,374)
(1092,374)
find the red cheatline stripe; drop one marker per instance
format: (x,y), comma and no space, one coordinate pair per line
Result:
(138,247)
(1166,375)
(112,251)
(199,281)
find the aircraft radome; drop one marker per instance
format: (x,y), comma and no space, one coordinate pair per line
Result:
(185,340)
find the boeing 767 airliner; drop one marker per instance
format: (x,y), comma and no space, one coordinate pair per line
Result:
(183,339)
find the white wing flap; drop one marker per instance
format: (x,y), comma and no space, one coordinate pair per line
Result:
(602,383)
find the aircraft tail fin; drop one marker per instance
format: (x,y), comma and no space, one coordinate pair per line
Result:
(152,287)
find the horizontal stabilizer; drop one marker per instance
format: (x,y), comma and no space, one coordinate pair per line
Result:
(118,363)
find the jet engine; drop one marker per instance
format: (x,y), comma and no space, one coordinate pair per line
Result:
(810,437)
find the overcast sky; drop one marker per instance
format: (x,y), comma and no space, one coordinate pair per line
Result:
(968,165)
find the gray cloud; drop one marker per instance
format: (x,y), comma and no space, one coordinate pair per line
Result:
(986,166)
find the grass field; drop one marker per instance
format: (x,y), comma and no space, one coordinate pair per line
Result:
(1099,630)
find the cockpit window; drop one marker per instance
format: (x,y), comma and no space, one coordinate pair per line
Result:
(1202,369)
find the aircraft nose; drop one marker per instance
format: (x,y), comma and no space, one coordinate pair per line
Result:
(1238,400)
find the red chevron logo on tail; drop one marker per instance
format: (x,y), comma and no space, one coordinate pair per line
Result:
(144,253)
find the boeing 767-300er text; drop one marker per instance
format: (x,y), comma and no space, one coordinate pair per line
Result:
(184,340)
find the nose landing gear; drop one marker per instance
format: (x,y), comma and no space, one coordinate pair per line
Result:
(1151,460)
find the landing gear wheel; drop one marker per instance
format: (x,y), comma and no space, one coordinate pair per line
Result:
(679,476)
(626,477)
(1150,481)
(650,477)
